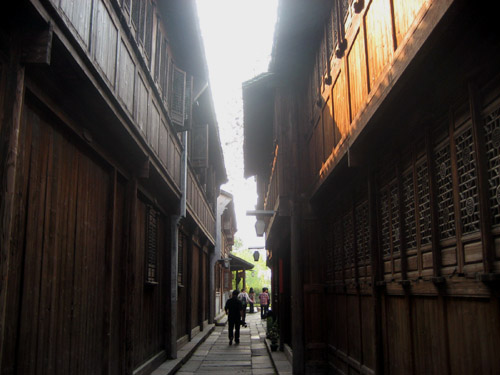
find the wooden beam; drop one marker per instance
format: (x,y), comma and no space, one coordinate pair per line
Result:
(37,46)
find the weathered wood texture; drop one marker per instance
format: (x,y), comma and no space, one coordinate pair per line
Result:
(402,263)
(154,95)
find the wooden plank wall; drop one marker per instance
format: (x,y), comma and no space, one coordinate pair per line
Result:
(410,247)
(376,40)
(66,310)
(144,94)
(436,314)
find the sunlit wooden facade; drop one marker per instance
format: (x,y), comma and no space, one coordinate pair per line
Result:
(101,270)
(373,138)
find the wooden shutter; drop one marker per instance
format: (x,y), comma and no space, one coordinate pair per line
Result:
(148,41)
(199,146)
(177,97)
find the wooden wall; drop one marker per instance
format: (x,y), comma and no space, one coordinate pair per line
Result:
(380,40)
(138,68)
(421,293)
(78,288)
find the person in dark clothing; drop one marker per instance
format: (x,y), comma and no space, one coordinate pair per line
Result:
(234,311)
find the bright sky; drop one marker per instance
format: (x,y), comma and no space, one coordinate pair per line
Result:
(238,37)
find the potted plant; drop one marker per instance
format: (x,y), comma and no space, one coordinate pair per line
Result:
(273,335)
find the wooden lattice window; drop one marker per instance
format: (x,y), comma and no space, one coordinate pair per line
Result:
(424,205)
(362,234)
(152,218)
(492,137)
(329,34)
(181,242)
(330,263)
(148,33)
(158,53)
(385,222)
(188,98)
(338,245)
(136,12)
(408,201)
(467,181)
(177,99)
(395,220)
(164,69)
(444,182)
(348,239)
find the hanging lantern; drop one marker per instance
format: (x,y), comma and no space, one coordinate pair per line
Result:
(256,255)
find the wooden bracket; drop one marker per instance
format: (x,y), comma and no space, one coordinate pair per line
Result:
(37,46)
(358,6)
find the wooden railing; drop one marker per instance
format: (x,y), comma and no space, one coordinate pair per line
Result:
(200,209)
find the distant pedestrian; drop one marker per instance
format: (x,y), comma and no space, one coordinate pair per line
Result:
(245,300)
(234,311)
(251,294)
(264,303)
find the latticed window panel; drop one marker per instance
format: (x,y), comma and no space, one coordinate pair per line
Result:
(329,34)
(467,181)
(408,201)
(348,240)
(395,219)
(337,245)
(385,223)
(151,245)
(444,182)
(335,16)
(330,262)
(492,137)
(181,240)
(345,4)
(362,234)
(424,202)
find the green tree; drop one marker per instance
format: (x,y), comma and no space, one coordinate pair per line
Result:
(259,276)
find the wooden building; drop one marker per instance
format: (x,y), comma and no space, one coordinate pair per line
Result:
(374,142)
(110,168)
(224,245)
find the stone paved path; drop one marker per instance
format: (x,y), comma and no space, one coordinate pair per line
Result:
(216,356)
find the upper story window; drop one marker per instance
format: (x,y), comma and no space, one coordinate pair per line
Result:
(142,21)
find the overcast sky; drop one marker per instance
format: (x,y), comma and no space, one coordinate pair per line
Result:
(238,36)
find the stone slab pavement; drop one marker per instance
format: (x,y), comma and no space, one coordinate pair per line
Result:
(250,356)
(214,355)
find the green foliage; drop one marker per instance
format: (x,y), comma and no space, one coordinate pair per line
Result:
(259,276)
(272,330)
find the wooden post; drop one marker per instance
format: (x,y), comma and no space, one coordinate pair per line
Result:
(482,176)
(9,148)
(189,286)
(433,201)
(110,261)
(377,275)
(171,326)
(130,277)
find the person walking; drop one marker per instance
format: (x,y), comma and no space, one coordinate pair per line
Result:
(234,311)
(251,294)
(264,303)
(245,299)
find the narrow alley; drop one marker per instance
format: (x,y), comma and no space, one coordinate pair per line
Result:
(250,356)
